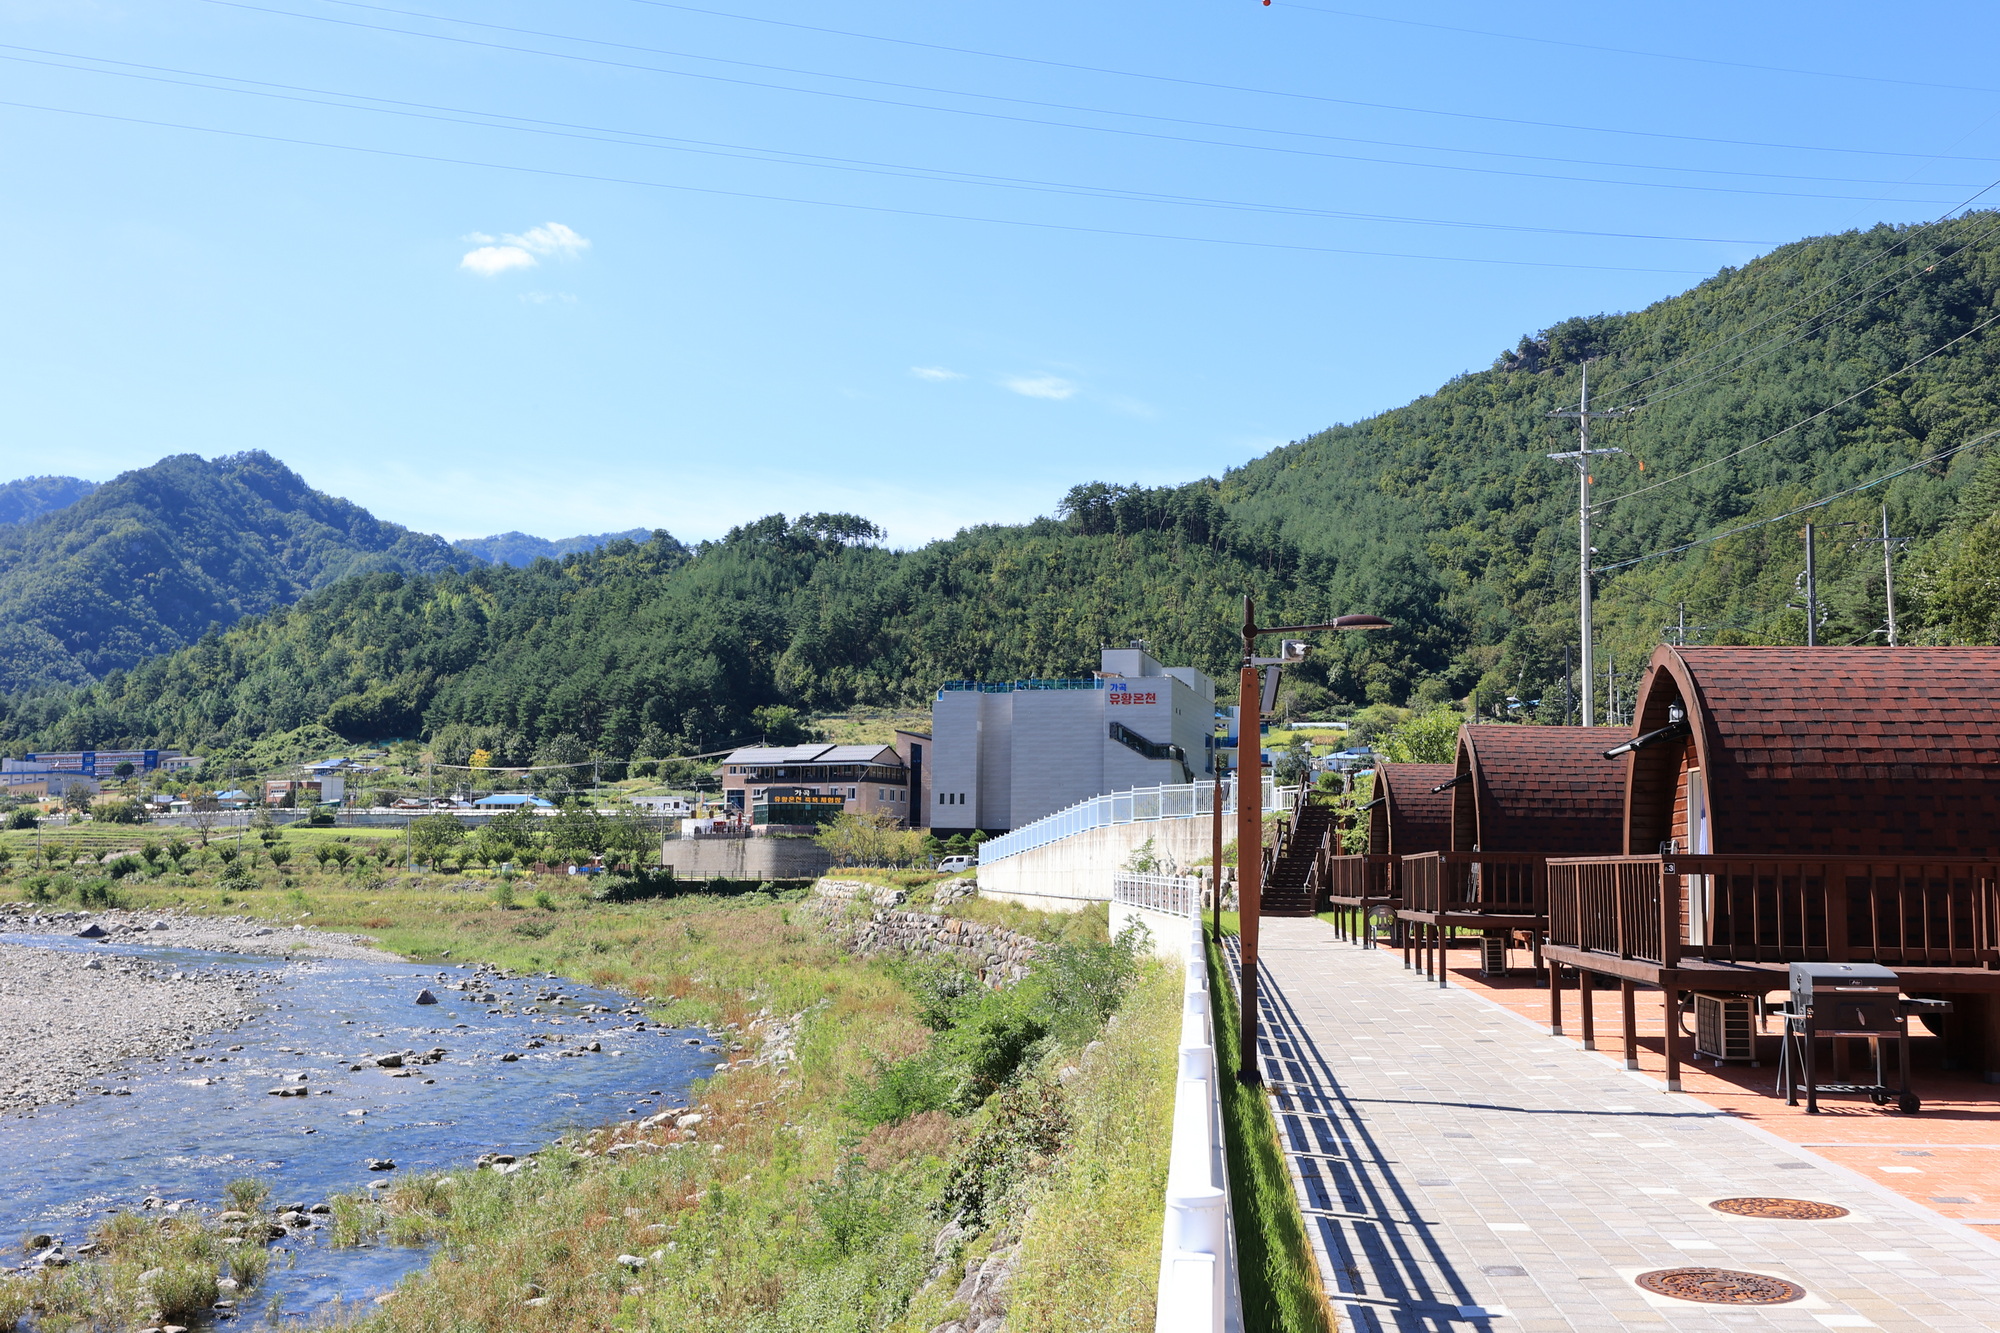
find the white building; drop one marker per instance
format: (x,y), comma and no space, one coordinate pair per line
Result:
(1007,753)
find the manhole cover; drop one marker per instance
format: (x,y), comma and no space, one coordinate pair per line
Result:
(1720,1286)
(1796,1210)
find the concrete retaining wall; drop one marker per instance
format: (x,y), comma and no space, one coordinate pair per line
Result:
(1065,875)
(746,858)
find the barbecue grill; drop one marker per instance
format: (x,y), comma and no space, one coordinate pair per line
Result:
(1849,1000)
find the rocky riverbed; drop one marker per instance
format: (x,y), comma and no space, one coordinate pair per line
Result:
(73,1024)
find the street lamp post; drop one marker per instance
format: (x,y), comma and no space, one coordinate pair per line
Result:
(1250,806)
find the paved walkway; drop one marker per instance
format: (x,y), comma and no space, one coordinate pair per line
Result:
(1460,1170)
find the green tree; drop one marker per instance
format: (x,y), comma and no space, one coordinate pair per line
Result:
(431,836)
(1430,738)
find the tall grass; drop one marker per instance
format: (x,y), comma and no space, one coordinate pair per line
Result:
(1282,1292)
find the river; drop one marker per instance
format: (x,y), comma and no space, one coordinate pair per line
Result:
(204,1116)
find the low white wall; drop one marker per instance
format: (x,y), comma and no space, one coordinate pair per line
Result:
(1066,875)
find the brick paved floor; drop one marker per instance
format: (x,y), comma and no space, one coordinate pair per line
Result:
(1958,1131)
(1459,1170)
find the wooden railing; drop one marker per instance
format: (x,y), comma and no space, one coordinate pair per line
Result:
(1909,911)
(1351,879)
(1485,883)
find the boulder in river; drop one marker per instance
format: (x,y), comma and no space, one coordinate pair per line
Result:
(93,931)
(381,1164)
(425,997)
(389,1061)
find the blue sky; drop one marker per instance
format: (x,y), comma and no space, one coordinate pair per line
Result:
(624,263)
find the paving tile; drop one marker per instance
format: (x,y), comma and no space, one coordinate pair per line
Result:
(1486,1153)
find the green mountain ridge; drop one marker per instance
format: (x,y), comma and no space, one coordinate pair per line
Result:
(147,562)
(1814,369)
(518,548)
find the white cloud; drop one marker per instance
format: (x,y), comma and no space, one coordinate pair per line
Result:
(935,374)
(1040,386)
(488,260)
(551,238)
(497,254)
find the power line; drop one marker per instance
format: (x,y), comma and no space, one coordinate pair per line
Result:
(994,115)
(1650,55)
(1336,138)
(1793,513)
(1305,97)
(822,203)
(1815,324)
(1803,421)
(774,156)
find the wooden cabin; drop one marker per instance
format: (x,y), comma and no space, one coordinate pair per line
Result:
(1799,805)
(1408,814)
(1519,795)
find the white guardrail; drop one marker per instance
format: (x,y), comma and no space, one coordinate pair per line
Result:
(1198,1277)
(1170,895)
(1138,806)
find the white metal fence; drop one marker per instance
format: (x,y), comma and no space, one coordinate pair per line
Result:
(1199,1292)
(1170,895)
(1138,806)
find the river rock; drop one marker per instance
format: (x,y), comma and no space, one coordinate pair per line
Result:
(425,997)
(381,1164)
(159,925)
(94,965)
(631,1261)
(40,1240)
(391,1061)
(690,1120)
(93,931)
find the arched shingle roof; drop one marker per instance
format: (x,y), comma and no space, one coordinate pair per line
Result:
(1410,818)
(1544,790)
(1838,751)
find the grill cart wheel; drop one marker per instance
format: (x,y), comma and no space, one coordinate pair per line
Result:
(1908,1104)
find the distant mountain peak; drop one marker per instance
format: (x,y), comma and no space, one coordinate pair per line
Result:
(28,499)
(519,549)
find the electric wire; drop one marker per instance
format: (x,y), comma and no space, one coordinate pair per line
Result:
(1905,369)
(1814,325)
(1649,55)
(819,203)
(1954,214)
(1288,93)
(1804,508)
(751,153)
(1016,119)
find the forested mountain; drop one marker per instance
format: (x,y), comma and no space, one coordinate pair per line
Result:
(31,497)
(1819,367)
(147,562)
(518,548)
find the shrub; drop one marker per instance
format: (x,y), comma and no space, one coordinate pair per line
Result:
(545,900)
(247,1193)
(119,812)
(14,1300)
(183,1288)
(20,819)
(98,893)
(123,866)
(641,883)
(249,1263)
(42,888)
(503,895)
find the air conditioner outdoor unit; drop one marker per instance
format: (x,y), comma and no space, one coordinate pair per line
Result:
(1725,1028)
(1493,955)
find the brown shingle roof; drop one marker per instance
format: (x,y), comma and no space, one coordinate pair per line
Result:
(1846,751)
(1410,819)
(1546,790)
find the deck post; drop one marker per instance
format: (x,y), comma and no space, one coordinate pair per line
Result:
(1555,999)
(1444,942)
(1627,994)
(1586,982)
(1672,1000)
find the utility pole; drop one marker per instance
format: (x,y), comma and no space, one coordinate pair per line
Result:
(1581,456)
(1569,687)
(1812,593)
(1681,637)
(1888,576)
(1215,842)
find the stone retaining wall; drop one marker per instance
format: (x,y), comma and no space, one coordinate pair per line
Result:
(998,955)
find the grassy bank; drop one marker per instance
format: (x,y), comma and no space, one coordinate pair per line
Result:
(1282,1292)
(912,1126)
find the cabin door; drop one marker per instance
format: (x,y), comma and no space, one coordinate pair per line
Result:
(1699,888)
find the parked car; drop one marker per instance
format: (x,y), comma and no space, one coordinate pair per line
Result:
(951,865)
